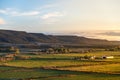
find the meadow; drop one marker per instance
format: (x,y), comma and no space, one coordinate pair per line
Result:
(62,67)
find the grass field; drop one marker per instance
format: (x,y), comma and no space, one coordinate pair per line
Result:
(15,73)
(55,66)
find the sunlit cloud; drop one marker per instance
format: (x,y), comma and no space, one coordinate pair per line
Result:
(50,18)
(2,21)
(31,13)
(52,15)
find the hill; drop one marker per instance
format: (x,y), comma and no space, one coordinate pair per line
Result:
(22,37)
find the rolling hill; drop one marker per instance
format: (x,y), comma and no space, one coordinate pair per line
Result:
(22,37)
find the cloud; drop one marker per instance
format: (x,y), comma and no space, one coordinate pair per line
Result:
(52,15)
(112,33)
(3,11)
(101,34)
(51,18)
(2,21)
(12,12)
(6,11)
(31,13)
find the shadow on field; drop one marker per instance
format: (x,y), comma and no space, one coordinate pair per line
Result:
(5,79)
(50,59)
(54,73)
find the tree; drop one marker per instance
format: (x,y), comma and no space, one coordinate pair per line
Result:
(50,50)
(17,51)
(12,49)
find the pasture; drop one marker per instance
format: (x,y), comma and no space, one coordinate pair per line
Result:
(55,66)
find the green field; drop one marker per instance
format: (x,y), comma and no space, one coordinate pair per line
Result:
(62,67)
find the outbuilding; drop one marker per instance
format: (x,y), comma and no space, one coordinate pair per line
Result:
(108,57)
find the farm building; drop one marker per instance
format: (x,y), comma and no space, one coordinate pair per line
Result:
(108,57)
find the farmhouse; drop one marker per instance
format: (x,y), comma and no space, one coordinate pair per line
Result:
(108,57)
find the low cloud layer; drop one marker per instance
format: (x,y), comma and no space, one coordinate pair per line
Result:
(111,33)
(102,34)
(108,35)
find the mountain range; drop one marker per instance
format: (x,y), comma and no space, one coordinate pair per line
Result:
(22,37)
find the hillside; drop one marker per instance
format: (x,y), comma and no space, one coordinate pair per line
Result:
(21,37)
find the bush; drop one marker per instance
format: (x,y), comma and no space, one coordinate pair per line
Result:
(22,57)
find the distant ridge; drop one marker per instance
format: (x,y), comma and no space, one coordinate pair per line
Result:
(22,37)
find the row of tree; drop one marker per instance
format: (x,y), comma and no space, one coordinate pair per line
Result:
(56,50)
(10,49)
(114,49)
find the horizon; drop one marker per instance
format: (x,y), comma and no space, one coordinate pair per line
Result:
(97,19)
(86,34)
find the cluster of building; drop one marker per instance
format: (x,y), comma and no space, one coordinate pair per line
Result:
(93,57)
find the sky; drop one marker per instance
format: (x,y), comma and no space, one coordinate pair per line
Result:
(89,18)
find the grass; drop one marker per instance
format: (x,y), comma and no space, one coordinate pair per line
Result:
(40,74)
(21,73)
(49,63)
(87,76)
(71,55)
(63,67)
(61,60)
(57,63)
(109,68)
